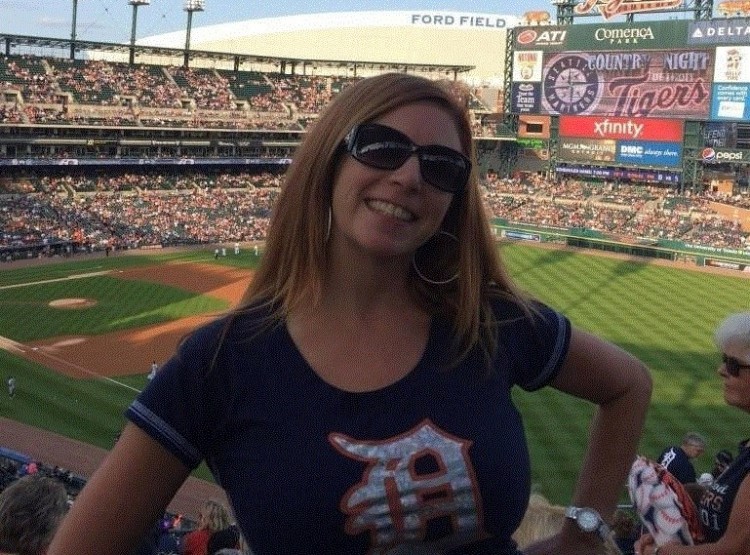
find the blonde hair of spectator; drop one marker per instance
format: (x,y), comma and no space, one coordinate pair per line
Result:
(213,516)
(292,270)
(31,508)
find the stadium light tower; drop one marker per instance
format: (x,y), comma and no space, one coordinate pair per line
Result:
(190,7)
(73,31)
(135,4)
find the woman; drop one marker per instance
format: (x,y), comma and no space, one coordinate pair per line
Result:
(212,517)
(725,506)
(359,399)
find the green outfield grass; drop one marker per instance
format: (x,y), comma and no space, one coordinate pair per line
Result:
(663,315)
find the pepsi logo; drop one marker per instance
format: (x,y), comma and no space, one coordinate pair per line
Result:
(708,154)
(527,36)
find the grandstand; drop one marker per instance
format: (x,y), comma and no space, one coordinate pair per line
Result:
(98,153)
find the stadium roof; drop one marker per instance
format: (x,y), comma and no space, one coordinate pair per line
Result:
(21,44)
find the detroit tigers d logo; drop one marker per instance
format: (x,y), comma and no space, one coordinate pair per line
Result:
(417,487)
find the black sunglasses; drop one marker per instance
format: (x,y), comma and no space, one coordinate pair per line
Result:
(733,365)
(385,148)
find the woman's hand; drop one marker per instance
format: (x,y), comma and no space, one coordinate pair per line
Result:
(560,544)
(645,545)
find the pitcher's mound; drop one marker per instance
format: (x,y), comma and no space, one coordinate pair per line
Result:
(72,303)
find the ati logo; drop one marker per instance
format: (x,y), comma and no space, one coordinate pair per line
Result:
(412,482)
(544,38)
(708,154)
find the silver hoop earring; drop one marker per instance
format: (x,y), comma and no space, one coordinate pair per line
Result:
(434,249)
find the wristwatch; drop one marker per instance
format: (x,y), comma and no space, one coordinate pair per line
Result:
(588,520)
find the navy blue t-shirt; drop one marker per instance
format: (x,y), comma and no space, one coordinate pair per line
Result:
(678,463)
(434,463)
(716,504)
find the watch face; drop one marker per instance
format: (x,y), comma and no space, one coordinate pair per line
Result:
(588,520)
(570,85)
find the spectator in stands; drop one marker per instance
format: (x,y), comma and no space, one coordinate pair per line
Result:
(725,506)
(363,385)
(722,460)
(212,517)
(678,458)
(224,539)
(31,509)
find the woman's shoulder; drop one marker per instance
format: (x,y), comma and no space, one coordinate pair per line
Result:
(511,310)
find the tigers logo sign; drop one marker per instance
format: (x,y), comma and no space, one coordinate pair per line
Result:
(610,8)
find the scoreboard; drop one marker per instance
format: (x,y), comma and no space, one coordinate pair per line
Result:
(695,70)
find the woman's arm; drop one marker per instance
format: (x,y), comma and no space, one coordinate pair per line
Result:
(125,496)
(735,541)
(620,385)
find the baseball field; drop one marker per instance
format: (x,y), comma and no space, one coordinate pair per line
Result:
(79,336)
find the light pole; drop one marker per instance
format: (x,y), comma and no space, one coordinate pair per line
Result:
(73,31)
(135,4)
(190,7)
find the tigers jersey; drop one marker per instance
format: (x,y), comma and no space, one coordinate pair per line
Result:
(434,463)
(716,503)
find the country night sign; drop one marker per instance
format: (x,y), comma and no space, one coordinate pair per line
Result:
(670,84)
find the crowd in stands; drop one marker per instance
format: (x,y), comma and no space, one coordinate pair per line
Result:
(132,210)
(93,92)
(29,487)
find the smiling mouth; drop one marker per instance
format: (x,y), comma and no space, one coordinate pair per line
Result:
(389,209)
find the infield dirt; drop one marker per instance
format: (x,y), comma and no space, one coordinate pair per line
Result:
(123,353)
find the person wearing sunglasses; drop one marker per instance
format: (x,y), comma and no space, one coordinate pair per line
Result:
(358,398)
(724,508)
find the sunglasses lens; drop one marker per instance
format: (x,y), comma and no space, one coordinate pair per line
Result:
(381,147)
(732,366)
(444,168)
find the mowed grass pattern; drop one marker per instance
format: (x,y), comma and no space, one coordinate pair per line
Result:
(664,315)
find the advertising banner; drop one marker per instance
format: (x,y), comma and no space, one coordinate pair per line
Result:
(712,155)
(730,102)
(730,94)
(526,98)
(669,84)
(618,173)
(586,150)
(540,37)
(658,35)
(639,153)
(720,134)
(643,129)
(141,161)
(527,66)
(732,64)
(533,144)
(720,31)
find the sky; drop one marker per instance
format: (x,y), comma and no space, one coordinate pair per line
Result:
(111,20)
